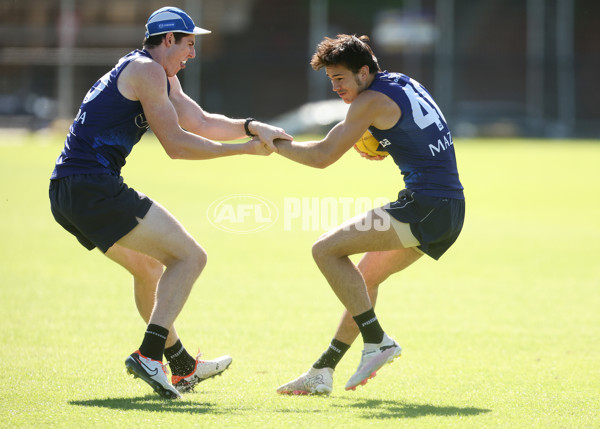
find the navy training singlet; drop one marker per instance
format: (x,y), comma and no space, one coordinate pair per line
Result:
(420,143)
(105,129)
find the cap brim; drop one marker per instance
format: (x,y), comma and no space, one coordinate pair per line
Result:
(198,31)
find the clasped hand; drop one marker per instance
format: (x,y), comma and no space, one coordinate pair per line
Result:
(263,144)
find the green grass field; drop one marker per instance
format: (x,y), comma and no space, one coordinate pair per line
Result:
(503,331)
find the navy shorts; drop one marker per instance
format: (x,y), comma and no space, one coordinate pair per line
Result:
(436,222)
(98,209)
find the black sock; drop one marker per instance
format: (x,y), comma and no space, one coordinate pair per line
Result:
(180,361)
(369,327)
(154,341)
(331,357)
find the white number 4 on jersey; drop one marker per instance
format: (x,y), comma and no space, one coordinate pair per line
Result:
(420,98)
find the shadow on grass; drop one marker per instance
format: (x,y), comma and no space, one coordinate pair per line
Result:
(373,408)
(153,403)
(384,409)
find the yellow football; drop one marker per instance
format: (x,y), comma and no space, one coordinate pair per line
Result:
(369,144)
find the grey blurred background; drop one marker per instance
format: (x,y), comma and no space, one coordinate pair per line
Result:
(496,67)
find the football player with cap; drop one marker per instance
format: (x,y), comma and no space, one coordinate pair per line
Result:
(91,201)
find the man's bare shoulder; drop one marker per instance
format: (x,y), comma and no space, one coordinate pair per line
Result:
(368,101)
(382,111)
(371,97)
(143,67)
(141,74)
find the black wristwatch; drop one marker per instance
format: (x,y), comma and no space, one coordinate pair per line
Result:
(248,133)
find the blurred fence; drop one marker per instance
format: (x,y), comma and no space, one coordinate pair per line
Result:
(496,67)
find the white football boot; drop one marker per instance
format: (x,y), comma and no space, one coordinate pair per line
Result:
(313,382)
(374,356)
(152,372)
(204,369)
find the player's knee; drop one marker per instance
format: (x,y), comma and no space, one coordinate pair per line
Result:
(145,269)
(190,256)
(198,258)
(320,250)
(372,285)
(202,259)
(373,278)
(152,270)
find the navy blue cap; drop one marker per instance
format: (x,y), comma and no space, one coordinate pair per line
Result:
(171,19)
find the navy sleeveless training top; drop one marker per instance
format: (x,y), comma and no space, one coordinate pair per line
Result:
(105,129)
(420,143)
